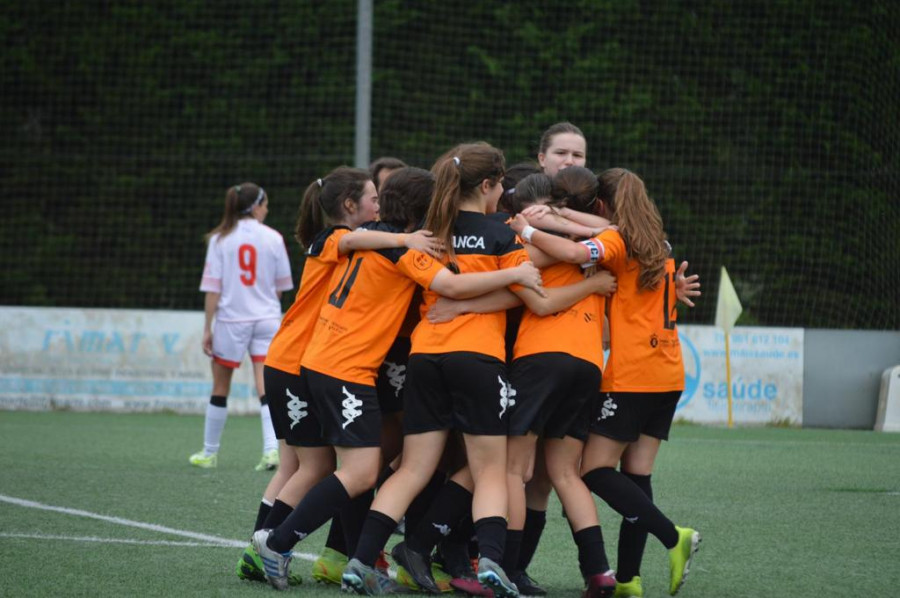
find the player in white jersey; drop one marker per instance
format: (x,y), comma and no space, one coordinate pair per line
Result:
(246,270)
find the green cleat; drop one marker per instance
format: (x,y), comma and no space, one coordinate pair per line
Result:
(631,589)
(203,460)
(680,557)
(329,567)
(441,578)
(250,567)
(269,461)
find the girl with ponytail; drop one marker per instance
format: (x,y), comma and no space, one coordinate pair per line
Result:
(644,375)
(331,208)
(456,380)
(246,271)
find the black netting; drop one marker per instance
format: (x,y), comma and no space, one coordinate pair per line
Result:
(766,131)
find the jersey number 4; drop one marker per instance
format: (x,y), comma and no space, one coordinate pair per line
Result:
(669,312)
(247,264)
(340,292)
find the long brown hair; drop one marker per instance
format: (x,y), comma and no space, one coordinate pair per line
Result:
(404,198)
(323,201)
(529,190)
(639,223)
(239,200)
(458,173)
(576,188)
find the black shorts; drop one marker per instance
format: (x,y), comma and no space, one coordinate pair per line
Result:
(392,376)
(554,395)
(462,390)
(347,412)
(626,415)
(292,417)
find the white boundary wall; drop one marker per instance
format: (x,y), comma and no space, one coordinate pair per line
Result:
(146,360)
(110,360)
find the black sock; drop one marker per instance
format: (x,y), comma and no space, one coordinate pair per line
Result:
(491,532)
(384,475)
(464,533)
(534,527)
(421,508)
(218,401)
(352,518)
(632,537)
(629,501)
(261,515)
(376,531)
(336,540)
(591,551)
(511,552)
(321,503)
(449,507)
(277,515)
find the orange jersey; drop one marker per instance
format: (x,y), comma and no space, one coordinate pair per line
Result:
(287,347)
(365,307)
(645,354)
(482,244)
(577,331)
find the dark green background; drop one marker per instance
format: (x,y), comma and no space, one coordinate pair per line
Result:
(766,131)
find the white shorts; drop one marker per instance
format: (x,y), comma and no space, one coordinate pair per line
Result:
(231,340)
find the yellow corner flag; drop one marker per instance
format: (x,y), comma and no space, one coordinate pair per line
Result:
(728,307)
(728,310)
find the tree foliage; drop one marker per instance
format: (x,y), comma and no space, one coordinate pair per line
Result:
(766,131)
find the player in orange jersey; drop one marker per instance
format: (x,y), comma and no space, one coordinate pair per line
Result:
(331,207)
(644,376)
(356,326)
(456,375)
(555,373)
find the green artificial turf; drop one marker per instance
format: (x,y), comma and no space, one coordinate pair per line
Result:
(783,512)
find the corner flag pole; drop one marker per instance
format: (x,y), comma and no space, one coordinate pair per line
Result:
(728,378)
(728,310)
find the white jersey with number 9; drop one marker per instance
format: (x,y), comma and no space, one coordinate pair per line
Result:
(248,267)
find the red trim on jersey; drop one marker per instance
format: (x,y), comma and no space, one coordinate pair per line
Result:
(228,364)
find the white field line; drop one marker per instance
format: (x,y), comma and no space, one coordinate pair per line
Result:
(111,540)
(204,539)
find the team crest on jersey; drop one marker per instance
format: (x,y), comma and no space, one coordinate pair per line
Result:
(608,409)
(654,340)
(507,392)
(423,261)
(351,407)
(468,242)
(296,408)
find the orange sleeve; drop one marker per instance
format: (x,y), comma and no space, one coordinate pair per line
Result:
(419,267)
(330,253)
(511,260)
(614,251)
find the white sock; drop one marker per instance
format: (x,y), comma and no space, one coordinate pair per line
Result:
(270,443)
(212,429)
